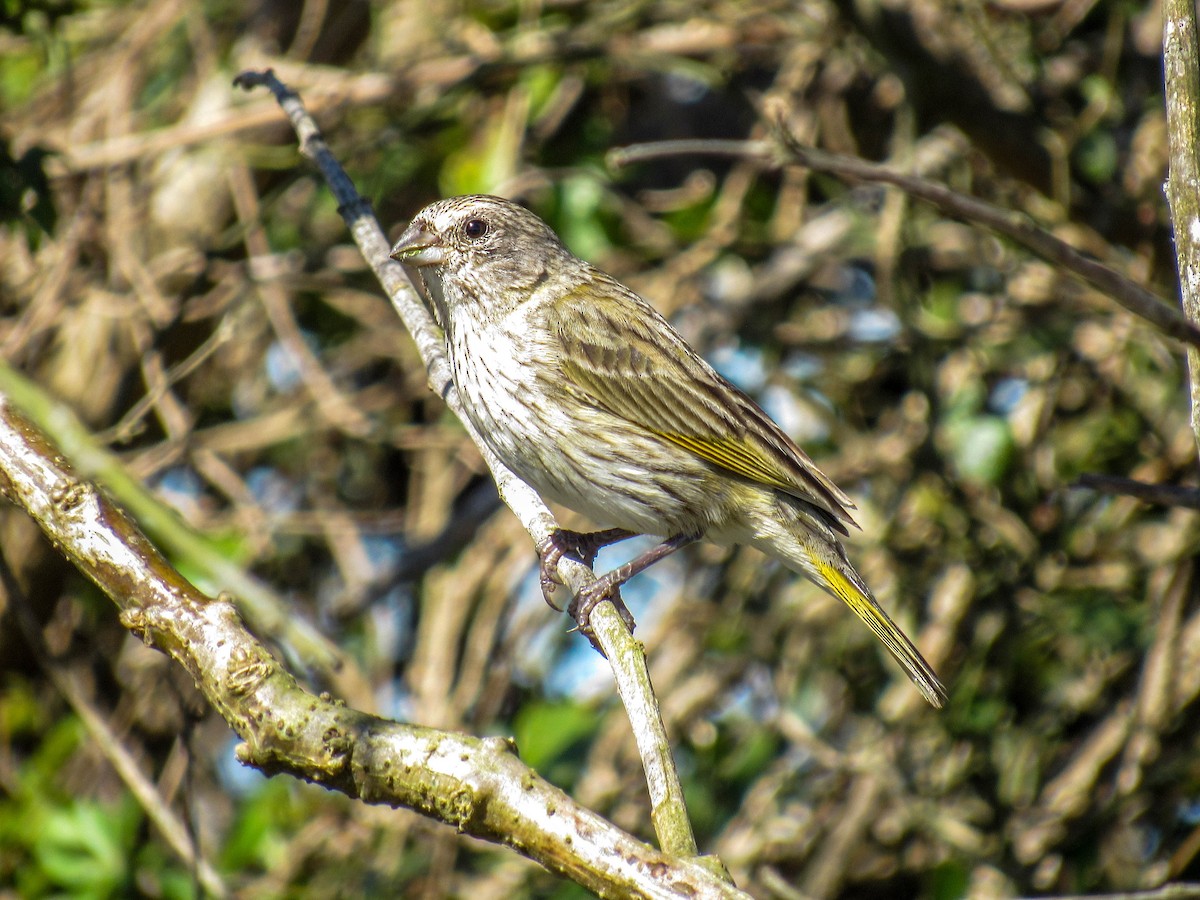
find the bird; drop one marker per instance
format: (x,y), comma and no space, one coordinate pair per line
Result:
(594,400)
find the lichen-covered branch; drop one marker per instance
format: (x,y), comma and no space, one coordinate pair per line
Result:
(479,786)
(1181,72)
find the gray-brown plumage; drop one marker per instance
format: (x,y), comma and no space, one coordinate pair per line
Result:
(596,402)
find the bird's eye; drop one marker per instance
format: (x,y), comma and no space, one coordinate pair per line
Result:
(475,228)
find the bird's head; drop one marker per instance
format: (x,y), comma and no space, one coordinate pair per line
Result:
(482,240)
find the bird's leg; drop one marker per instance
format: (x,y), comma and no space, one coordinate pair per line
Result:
(606,587)
(582,545)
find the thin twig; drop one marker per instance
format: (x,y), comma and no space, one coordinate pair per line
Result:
(157,809)
(765,152)
(131,423)
(1014,225)
(625,654)
(1181,891)
(1168,591)
(1159,494)
(335,407)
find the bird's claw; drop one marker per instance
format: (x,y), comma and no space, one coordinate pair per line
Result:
(585,602)
(551,551)
(580,544)
(583,546)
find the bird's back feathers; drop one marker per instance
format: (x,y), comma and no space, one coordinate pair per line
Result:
(628,360)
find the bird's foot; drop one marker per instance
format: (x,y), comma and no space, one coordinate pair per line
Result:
(606,587)
(582,545)
(585,602)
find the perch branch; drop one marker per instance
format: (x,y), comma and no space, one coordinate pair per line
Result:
(625,654)
(477,785)
(1158,494)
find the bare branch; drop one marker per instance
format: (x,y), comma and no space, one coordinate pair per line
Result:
(1180,891)
(1181,57)
(787,150)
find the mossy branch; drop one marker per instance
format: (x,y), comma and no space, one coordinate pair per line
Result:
(266,611)
(478,786)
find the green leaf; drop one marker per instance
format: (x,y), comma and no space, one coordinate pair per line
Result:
(259,835)
(84,847)
(544,731)
(981,447)
(582,197)
(1097,156)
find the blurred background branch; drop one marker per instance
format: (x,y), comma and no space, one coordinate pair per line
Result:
(1013,225)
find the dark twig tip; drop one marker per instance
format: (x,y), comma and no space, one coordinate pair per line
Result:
(252,78)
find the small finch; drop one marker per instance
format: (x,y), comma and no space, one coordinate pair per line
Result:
(589,396)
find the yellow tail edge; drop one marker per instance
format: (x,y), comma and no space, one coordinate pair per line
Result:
(868,609)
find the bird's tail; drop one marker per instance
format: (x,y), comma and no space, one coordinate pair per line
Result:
(803,542)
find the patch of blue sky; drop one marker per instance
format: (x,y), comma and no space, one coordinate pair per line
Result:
(273,491)
(181,488)
(856,287)
(566,664)
(1006,394)
(744,366)
(873,325)
(282,366)
(794,416)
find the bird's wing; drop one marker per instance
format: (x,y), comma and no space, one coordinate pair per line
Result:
(618,353)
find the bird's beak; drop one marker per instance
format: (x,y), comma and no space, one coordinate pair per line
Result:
(418,247)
